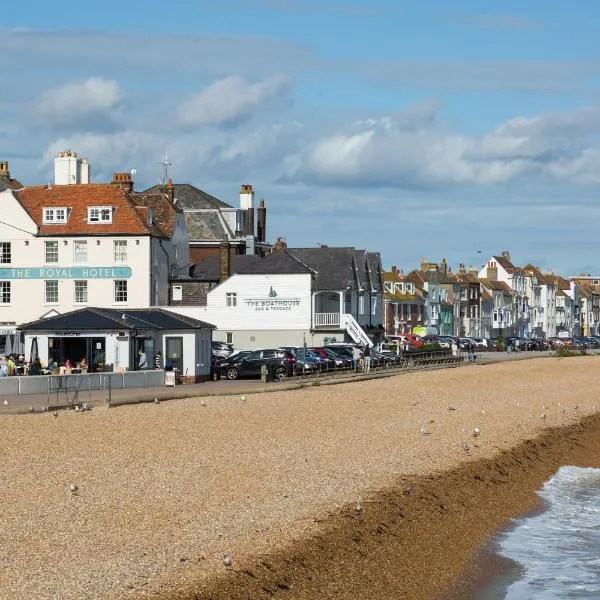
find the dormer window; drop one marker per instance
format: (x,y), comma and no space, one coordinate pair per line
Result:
(55,215)
(100,214)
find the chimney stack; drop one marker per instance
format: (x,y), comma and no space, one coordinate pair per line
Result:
(250,222)
(170,190)
(506,254)
(280,244)
(71,169)
(123,180)
(394,269)
(224,261)
(261,225)
(4,172)
(444,266)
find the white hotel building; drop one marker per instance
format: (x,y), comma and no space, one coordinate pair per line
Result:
(65,247)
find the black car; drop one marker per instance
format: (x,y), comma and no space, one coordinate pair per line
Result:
(280,363)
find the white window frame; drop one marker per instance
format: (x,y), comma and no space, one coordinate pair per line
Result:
(80,257)
(5,253)
(231,299)
(55,215)
(177,293)
(5,292)
(120,251)
(124,291)
(47,289)
(53,244)
(98,215)
(83,288)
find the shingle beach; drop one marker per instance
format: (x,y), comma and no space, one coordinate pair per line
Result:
(163,490)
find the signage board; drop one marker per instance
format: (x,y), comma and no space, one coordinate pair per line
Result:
(66,273)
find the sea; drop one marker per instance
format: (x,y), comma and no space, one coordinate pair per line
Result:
(555,552)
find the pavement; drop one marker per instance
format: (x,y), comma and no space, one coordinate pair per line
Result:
(94,398)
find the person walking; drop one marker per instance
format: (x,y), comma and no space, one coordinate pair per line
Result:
(356,356)
(367,358)
(142,362)
(12,367)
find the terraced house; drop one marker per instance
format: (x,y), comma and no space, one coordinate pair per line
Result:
(404,303)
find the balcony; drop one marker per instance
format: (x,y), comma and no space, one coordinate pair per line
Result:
(327,319)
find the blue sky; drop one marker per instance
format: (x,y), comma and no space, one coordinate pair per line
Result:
(419,129)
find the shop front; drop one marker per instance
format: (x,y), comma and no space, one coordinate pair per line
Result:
(97,340)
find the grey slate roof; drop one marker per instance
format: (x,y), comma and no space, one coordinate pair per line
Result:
(209,268)
(190,197)
(10,184)
(334,267)
(374,261)
(278,262)
(206,225)
(91,318)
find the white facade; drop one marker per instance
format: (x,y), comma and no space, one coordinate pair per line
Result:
(118,348)
(253,311)
(83,270)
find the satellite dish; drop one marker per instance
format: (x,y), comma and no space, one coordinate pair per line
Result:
(133,173)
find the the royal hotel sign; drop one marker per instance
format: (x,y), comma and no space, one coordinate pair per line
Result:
(66,273)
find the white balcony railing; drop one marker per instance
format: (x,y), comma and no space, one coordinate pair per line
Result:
(327,319)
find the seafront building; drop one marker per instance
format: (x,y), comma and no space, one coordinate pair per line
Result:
(74,244)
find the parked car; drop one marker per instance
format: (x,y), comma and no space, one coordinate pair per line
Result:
(306,361)
(221,349)
(340,362)
(280,363)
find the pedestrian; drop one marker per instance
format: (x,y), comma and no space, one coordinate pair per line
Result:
(367,358)
(12,367)
(356,357)
(158,361)
(3,366)
(142,362)
(470,351)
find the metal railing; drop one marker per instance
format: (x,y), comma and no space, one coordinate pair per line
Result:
(72,388)
(327,319)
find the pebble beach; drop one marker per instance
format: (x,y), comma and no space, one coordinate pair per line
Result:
(438,461)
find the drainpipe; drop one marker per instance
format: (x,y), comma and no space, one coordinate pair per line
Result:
(160,243)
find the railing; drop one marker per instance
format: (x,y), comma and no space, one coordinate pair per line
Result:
(327,319)
(355,331)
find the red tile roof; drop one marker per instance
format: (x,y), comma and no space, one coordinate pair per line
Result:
(126,218)
(164,212)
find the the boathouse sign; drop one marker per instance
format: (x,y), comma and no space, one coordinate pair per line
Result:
(66,273)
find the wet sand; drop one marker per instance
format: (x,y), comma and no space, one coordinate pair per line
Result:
(165,489)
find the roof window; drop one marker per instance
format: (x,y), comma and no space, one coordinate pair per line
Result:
(55,215)
(100,214)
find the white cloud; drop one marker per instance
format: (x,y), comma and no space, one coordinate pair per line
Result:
(228,100)
(75,102)
(389,152)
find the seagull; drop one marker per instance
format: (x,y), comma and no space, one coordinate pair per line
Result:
(202,403)
(5,403)
(156,401)
(227,560)
(74,488)
(476,432)
(243,398)
(358,507)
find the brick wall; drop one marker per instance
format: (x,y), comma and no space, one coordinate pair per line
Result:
(199,253)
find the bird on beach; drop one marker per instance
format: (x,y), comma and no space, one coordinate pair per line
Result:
(358,507)
(476,432)
(156,401)
(202,403)
(74,488)
(243,398)
(227,562)
(5,403)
